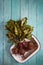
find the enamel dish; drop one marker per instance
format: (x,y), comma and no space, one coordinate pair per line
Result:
(18,57)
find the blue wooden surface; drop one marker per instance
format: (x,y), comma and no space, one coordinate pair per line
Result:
(17,9)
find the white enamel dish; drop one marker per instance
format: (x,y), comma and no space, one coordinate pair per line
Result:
(18,57)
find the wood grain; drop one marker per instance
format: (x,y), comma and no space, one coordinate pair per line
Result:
(17,9)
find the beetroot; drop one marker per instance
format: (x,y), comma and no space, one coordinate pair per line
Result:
(25,44)
(15,50)
(31,46)
(21,51)
(20,45)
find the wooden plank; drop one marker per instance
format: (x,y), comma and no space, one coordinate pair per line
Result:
(40,30)
(15,16)
(40,57)
(1,32)
(32,21)
(7,16)
(40,21)
(1,14)
(24,13)
(32,14)
(24,8)
(16,9)
(7,10)
(1,47)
